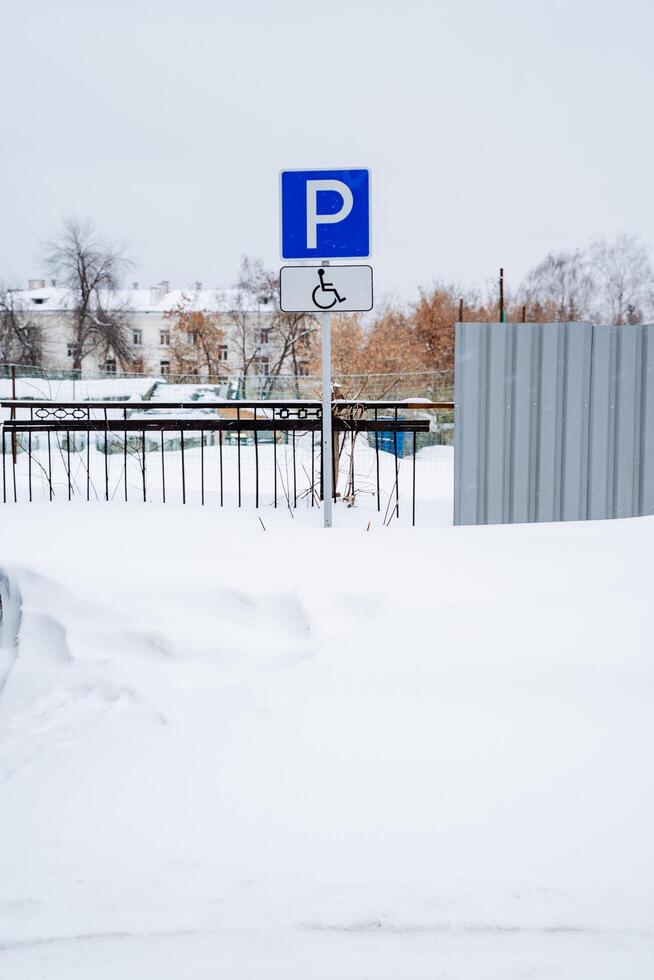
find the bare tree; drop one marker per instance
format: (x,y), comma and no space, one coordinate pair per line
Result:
(561,286)
(252,290)
(20,335)
(288,334)
(624,279)
(291,333)
(91,270)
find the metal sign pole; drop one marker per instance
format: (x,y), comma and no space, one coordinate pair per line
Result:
(327,448)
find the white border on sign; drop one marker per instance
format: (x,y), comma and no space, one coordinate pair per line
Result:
(312,259)
(316,311)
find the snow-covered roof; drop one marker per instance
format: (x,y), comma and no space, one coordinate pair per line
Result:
(155,299)
(163,391)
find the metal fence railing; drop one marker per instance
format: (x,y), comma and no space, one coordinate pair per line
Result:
(221,452)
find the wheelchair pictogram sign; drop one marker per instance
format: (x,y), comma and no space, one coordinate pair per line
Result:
(323,290)
(335,289)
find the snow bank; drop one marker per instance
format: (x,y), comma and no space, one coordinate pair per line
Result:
(294,753)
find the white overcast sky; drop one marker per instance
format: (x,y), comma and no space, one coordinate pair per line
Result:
(496,130)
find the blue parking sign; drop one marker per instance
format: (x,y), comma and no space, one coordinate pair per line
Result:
(325,214)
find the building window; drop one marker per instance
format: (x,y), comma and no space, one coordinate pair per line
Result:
(165,367)
(70,350)
(39,300)
(264,335)
(137,338)
(222,352)
(164,338)
(190,339)
(110,366)
(261,365)
(303,369)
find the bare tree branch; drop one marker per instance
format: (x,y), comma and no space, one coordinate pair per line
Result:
(21,340)
(91,270)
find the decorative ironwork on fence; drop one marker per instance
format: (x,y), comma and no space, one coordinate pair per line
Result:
(46,446)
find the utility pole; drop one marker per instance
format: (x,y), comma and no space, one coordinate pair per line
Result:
(501,295)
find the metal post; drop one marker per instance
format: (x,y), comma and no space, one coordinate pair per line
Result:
(501,295)
(14,447)
(327,450)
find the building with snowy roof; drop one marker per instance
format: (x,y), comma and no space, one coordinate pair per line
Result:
(147,315)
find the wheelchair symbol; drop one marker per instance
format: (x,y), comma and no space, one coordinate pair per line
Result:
(323,290)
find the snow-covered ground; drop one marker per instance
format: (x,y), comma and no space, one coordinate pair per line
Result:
(394,753)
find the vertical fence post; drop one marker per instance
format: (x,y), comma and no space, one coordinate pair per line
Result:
(181,446)
(145,492)
(67,463)
(238,451)
(397,471)
(14,450)
(256,462)
(220,459)
(4,476)
(106,459)
(29,456)
(413,482)
(125,454)
(49,462)
(275,465)
(202,465)
(88,458)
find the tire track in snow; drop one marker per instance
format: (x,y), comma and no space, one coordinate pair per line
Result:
(394,929)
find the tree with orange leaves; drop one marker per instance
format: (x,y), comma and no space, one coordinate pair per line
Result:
(196,339)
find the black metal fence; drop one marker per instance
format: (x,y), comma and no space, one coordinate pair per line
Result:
(47,450)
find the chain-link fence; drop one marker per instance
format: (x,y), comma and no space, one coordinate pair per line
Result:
(36,382)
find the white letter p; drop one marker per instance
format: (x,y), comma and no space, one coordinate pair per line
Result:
(313,218)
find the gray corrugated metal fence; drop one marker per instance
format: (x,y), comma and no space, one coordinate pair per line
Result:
(554,422)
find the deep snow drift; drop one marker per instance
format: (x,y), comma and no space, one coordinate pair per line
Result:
(291,753)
